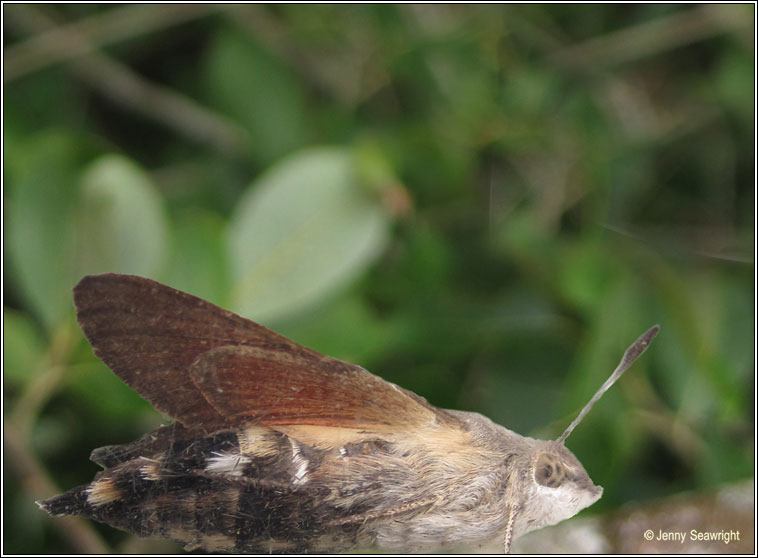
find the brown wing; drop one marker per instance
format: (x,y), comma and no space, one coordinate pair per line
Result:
(274,387)
(209,368)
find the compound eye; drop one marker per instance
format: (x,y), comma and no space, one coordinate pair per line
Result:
(549,471)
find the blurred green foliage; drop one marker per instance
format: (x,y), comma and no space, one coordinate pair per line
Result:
(484,204)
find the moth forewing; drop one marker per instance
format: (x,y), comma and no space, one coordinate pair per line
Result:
(277,448)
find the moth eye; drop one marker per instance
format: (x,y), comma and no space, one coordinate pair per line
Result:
(548,472)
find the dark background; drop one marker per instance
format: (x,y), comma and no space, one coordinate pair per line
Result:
(483,204)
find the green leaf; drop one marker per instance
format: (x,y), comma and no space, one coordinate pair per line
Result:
(23,347)
(585,272)
(64,224)
(302,231)
(344,328)
(199,264)
(103,393)
(121,226)
(40,241)
(254,88)
(734,80)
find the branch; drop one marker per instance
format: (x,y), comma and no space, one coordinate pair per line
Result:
(36,483)
(125,87)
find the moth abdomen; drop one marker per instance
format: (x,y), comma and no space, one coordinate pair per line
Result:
(73,502)
(227,492)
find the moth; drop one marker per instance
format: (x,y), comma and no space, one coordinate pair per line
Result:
(277,448)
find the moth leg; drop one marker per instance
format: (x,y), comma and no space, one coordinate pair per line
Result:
(509,529)
(363,517)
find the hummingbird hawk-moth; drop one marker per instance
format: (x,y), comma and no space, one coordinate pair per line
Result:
(277,448)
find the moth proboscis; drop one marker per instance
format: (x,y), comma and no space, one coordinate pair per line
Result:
(277,448)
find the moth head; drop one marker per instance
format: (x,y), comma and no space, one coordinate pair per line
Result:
(562,487)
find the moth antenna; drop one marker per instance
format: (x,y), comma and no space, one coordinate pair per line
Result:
(631,354)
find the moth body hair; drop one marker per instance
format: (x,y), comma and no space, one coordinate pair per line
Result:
(258,441)
(229,463)
(300,462)
(151,469)
(102,491)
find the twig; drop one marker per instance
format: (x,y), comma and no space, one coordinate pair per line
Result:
(37,484)
(323,69)
(124,87)
(46,380)
(653,37)
(52,46)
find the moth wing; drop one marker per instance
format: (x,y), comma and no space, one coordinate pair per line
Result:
(273,387)
(210,368)
(150,334)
